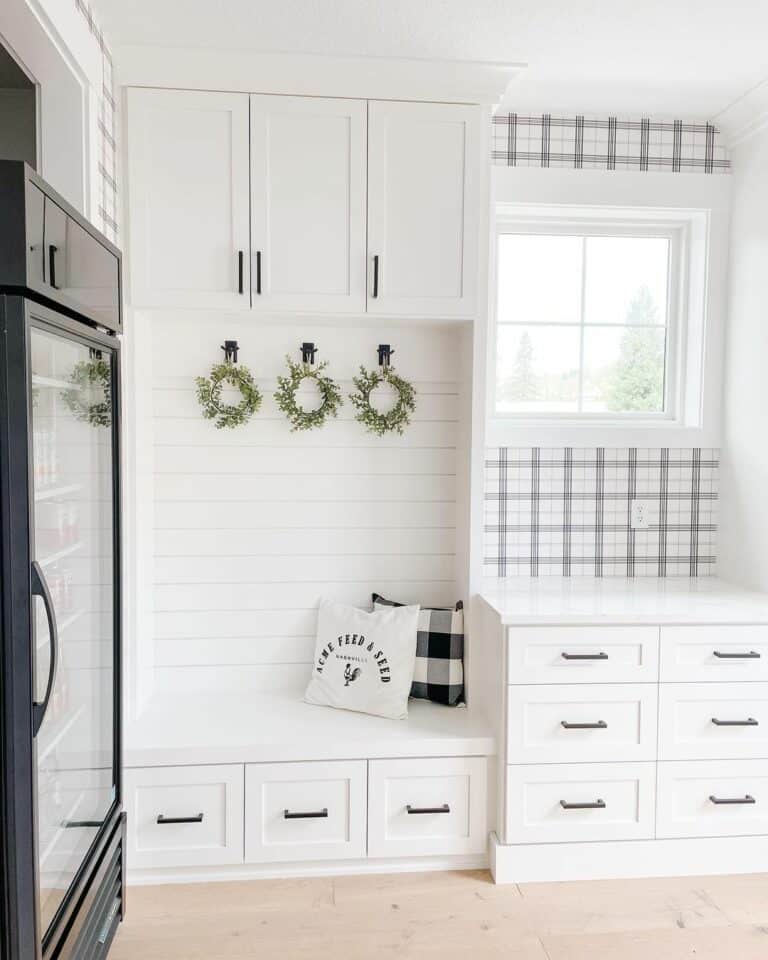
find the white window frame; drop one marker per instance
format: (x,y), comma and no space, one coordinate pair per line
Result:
(690,209)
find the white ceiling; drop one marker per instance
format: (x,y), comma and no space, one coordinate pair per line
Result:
(683,58)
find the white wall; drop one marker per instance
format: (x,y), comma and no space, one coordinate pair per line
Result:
(744,485)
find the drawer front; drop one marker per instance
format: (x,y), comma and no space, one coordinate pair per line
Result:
(712,798)
(305,811)
(713,721)
(555,803)
(582,654)
(427,807)
(184,816)
(550,724)
(724,653)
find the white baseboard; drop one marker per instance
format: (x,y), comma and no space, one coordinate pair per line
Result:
(537,862)
(333,868)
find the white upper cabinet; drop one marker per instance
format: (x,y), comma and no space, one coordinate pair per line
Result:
(308,159)
(423,208)
(188,193)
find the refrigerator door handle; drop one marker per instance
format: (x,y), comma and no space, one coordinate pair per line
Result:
(40,589)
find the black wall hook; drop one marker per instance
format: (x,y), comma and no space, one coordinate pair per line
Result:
(230,349)
(385,354)
(308,351)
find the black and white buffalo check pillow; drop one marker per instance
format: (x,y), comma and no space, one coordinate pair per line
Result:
(439,672)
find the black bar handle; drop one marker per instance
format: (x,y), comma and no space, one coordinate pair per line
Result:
(69,824)
(40,589)
(751,655)
(584,656)
(375,276)
(725,801)
(258,272)
(240,271)
(308,815)
(164,820)
(593,805)
(597,725)
(444,809)
(749,722)
(52,265)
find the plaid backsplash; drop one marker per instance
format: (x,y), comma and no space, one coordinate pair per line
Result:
(607,144)
(566,512)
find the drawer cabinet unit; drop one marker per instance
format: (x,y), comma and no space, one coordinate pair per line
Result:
(580,802)
(305,811)
(728,653)
(713,721)
(427,807)
(188,194)
(308,191)
(724,798)
(581,723)
(185,816)
(583,655)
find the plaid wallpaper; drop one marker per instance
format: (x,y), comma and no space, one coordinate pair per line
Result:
(106,218)
(607,144)
(566,512)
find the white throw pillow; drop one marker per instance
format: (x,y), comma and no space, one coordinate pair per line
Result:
(364,661)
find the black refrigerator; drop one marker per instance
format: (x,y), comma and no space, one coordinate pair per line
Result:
(61,821)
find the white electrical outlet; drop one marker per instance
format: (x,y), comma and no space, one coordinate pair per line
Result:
(641,514)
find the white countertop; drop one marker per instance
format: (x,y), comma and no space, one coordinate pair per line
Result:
(581,600)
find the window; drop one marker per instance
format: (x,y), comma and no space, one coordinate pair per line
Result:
(587,320)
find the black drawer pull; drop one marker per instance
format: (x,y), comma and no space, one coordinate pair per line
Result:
(163,819)
(309,815)
(594,805)
(749,722)
(444,809)
(584,656)
(751,655)
(597,725)
(81,824)
(725,801)
(240,271)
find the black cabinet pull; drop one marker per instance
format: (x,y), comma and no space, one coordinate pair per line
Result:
(597,725)
(725,801)
(52,265)
(444,809)
(375,276)
(196,819)
(240,271)
(309,815)
(258,272)
(594,805)
(749,722)
(750,655)
(584,656)
(81,824)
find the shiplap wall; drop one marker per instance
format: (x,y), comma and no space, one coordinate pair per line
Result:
(252,526)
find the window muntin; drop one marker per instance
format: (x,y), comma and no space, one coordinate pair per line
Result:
(584,321)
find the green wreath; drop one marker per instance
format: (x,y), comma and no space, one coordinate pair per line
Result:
(87,375)
(285,395)
(396,419)
(209,395)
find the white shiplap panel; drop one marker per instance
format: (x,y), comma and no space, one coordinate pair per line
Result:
(183,625)
(234,650)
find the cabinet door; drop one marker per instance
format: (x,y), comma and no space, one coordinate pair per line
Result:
(423,207)
(308,204)
(188,196)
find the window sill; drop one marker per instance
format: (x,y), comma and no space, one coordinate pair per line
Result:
(511,432)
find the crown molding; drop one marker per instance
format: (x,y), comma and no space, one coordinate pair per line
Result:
(375,78)
(745,117)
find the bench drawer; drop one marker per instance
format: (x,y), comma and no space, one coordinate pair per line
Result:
(184,816)
(581,723)
(582,654)
(556,803)
(713,721)
(305,811)
(712,798)
(724,653)
(427,807)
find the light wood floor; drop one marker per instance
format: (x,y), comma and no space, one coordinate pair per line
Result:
(448,916)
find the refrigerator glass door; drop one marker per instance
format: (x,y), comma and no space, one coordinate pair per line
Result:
(72,580)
